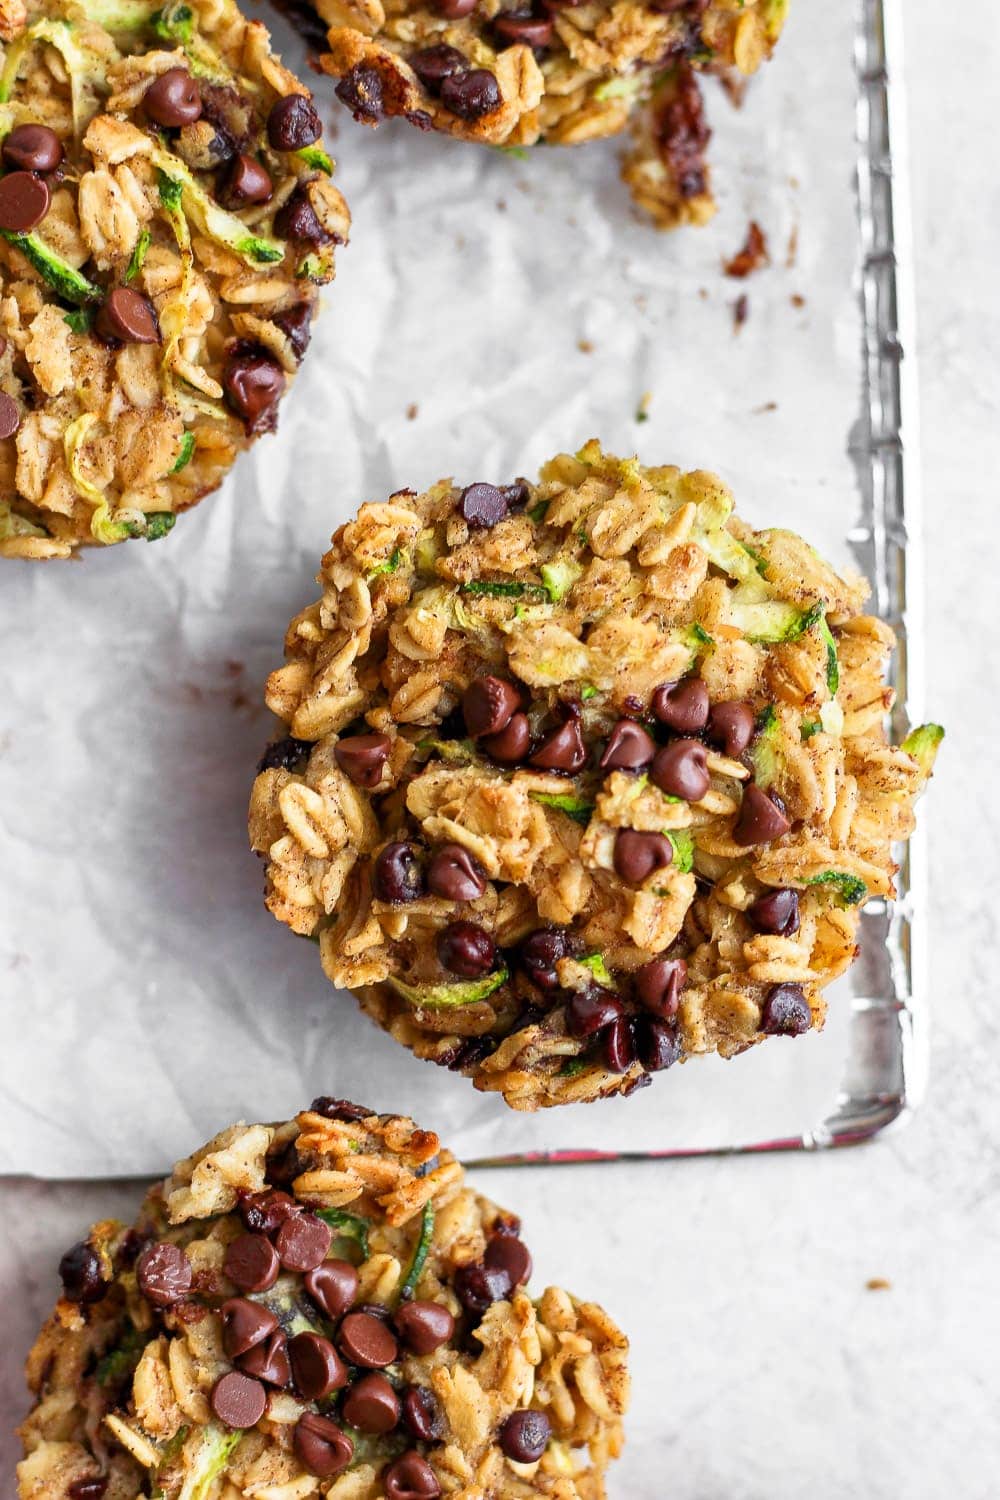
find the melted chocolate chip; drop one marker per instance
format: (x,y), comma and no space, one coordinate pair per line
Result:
(127,317)
(293,123)
(679,769)
(512,744)
(776,913)
(397,876)
(590,1011)
(321,1447)
(730,727)
(454,10)
(410,1478)
(264,1213)
(285,755)
(173,99)
(245,1324)
(682,706)
(333,1286)
(254,385)
(366,1340)
(455,874)
(481,505)
(421,1414)
(361,91)
(434,64)
(466,949)
(371,1405)
(297,220)
(539,953)
(91,1487)
(238,1400)
(478,1286)
(32,148)
(470,96)
(424,1326)
(80,1273)
(361,757)
(786,1011)
(317,1368)
(164,1275)
(659,1045)
(252,1263)
(10,416)
(760,820)
(629,747)
(658,985)
(302,1242)
(341,1109)
(561,749)
(296,322)
(24,201)
(619,1045)
(525,1436)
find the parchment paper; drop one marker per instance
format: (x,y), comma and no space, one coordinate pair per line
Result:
(147,996)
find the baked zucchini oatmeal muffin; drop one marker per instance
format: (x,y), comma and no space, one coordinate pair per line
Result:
(517,72)
(319,1308)
(582,776)
(166,216)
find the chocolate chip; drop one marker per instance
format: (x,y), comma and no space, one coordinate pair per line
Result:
(478,1286)
(658,985)
(254,385)
(297,220)
(285,755)
(91,1487)
(590,1011)
(296,322)
(80,1273)
(341,1109)
(659,1045)
(481,505)
(539,953)
(433,64)
(506,1252)
(333,1286)
(776,913)
(173,99)
(786,1011)
(511,744)
(32,148)
(629,747)
(410,1478)
(361,90)
(561,749)
(164,1275)
(470,96)
(238,1400)
(760,820)
(637,855)
(268,1361)
(424,1326)
(293,123)
(244,1325)
(731,726)
(10,415)
(466,949)
(371,1405)
(127,317)
(422,1415)
(317,1368)
(679,769)
(525,1436)
(366,1340)
(619,1044)
(24,201)
(455,874)
(302,1242)
(361,757)
(245,182)
(682,706)
(525,31)
(264,1213)
(488,705)
(321,1447)
(397,876)
(252,1263)
(454,10)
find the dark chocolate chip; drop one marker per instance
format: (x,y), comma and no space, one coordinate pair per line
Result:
(525,31)
(317,1368)
(238,1400)
(637,855)
(285,755)
(512,744)
(264,1213)
(366,1340)
(424,1326)
(590,1011)
(466,949)
(254,384)
(679,769)
(245,1324)
(422,1416)
(455,874)
(371,1405)
(302,1242)
(658,985)
(478,1286)
(32,148)
(488,705)
(629,747)
(127,317)
(507,1253)
(361,757)
(296,322)
(786,1011)
(173,99)
(776,913)
(470,96)
(659,1045)
(164,1274)
(730,727)
(297,220)
(252,1263)
(10,415)
(321,1447)
(333,1286)
(341,1109)
(410,1478)
(80,1273)
(525,1436)
(561,749)
(481,505)
(454,10)
(433,64)
(397,875)
(361,91)
(24,201)
(245,182)
(293,123)
(539,953)
(268,1361)
(682,706)
(91,1487)
(760,820)
(619,1044)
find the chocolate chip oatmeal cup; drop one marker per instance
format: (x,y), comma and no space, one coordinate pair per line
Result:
(582,777)
(319,1308)
(513,74)
(166,217)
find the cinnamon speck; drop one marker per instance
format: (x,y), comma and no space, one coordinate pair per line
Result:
(768,406)
(792,248)
(752,255)
(412,412)
(878,1284)
(741,311)
(585,346)
(797,299)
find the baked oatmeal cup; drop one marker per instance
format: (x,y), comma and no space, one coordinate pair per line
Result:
(319,1308)
(514,73)
(166,217)
(582,777)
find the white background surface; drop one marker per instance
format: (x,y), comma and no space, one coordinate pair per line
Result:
(764,1368)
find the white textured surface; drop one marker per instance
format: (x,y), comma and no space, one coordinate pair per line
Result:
(764,1369)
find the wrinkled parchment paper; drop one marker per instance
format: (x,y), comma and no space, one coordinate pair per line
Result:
(147,996)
